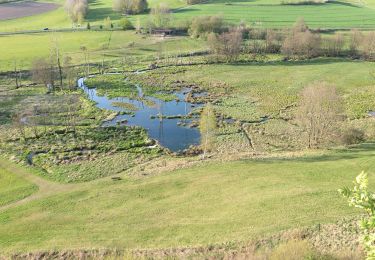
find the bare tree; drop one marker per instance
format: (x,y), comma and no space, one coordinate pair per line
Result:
(69,72)
(368,45)
(227,44)
(16,74)
(204,25)
(160,16)
(301,44)
(335,44)
(319,112)
(55,57)
(76,10)
(19,123)
(272,41)
(355,41)
(207,128)
(85,53)
(43,73)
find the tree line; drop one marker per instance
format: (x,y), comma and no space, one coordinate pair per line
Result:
(298,42)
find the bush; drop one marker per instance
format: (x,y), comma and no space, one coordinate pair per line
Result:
(353,136)
(292,250)
(130,6)
(203,25)
(193,2)
(125,24)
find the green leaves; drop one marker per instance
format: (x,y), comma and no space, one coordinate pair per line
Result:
(360,197)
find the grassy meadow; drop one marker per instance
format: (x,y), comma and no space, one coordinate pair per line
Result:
(24,48)
(13,187)
(261,13)
(215,202)
(114,187)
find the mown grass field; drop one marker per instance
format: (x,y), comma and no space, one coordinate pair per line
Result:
(24,48)
(13,188)
(257,13)
(261,13)
(212,203)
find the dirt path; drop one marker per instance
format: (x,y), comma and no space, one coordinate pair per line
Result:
(45,188)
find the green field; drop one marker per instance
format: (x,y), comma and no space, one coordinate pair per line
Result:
(25,48)
(272,14)
(13,187)
(95,187)
(215,202)
(260,13)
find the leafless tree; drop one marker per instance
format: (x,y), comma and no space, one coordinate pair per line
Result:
(334,44)
(19,123)
(204,25)
(43,73)
(301,44)
(130,6)
(76,10)
(160,16)
(227,44)
(85,53)
(55,57)
(69,72)
(355,40)
(272,41)
(319,112)
(368,45)
(16,74)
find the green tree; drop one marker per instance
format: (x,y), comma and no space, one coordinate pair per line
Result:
(361,197)
(207,128)
(160,16)
(125,24)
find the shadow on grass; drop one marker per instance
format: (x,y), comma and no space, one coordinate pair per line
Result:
(185,10)
(365,150)
(343,3)
(309,62)
(99,14)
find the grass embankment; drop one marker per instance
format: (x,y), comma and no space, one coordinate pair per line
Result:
(215,202)
(13,188)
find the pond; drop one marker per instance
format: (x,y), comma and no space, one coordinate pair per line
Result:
(173,133)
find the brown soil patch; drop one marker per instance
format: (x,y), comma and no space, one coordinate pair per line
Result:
(22,9)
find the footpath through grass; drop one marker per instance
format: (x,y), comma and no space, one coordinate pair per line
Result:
(216,202)
(13,188)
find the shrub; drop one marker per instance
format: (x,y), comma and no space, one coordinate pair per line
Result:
(292,250)
(130,6)
(194,2)
(160,17)
(361,197)
(76,9)
(125,24)
(353,136)
(301,44)
(203,25)
(227,44)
